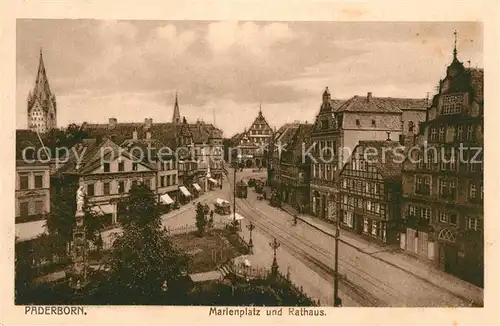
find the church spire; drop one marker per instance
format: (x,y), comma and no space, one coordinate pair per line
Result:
(455,46)
(176,118)
(260,109)
(42,88)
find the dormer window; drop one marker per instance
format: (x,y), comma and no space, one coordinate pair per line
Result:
(452,104)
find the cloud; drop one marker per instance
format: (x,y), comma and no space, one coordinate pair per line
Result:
(131,69)
(247,37)
(168,40)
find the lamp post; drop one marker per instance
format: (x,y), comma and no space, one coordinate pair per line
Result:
(250,228)
(274,267)
(337,301)
(234,200)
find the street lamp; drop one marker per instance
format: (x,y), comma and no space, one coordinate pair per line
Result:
(250,228)
(274,267)
(337,301)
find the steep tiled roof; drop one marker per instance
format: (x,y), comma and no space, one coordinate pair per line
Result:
(301,135)
(381,104)
(25,139)
(152,149)
(91,150)
(386,156)
(286,136)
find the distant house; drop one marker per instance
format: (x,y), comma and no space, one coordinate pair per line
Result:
(251,144)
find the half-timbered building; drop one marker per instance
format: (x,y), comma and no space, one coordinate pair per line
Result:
(369,199)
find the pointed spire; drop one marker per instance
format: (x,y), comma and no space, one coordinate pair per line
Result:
(42,89)
(455,46)
(176,117)
(260,108)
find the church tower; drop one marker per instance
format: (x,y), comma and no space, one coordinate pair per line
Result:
(42,109)
(176,117)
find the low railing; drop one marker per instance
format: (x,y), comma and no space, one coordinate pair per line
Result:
(249,272)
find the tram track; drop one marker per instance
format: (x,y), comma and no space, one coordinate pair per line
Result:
(359,294)
(364,281)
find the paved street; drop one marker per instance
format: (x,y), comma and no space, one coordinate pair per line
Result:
(370,275)
(365,278)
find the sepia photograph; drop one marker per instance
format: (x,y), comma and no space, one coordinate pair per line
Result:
(220,163)
(238,168)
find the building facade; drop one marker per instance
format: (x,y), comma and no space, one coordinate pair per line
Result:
(251,145)
(165,164)
(295,169)
(369,198)
(107,172)
(443,184)
(338,128)
(41,103)
(281,138)
(32,178)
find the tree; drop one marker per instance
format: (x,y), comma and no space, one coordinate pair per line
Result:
(61,220)
(67,137)
(143,257)
(201,222)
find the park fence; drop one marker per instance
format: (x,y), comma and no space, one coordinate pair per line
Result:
(249,272)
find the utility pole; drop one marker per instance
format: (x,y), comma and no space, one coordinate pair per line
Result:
(337,301)
(234,200)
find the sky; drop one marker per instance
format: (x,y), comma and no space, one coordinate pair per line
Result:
(223,71)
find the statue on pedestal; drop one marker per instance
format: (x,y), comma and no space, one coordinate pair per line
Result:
(80,195)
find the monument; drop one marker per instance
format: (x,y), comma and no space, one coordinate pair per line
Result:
(78,277)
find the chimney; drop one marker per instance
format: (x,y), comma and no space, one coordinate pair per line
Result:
(134,135)
(148,135)
(112,122)
(148,122)
(369,97)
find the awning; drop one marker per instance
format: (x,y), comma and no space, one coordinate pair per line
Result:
(184,191)
(212,180)
(197,186)
(236,216)
(165,198)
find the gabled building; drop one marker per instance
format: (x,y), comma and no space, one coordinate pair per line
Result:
(443,181)
(252,143)
(107,172)
(338,128)
(41,102)
(281,138)
(295,169)
(152,151)
(369,198)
